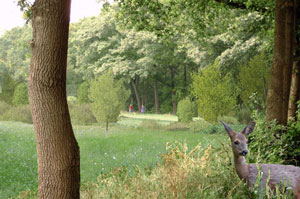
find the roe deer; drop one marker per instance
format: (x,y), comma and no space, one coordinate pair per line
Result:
(248,172)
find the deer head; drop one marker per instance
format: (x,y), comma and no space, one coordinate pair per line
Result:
(239,140)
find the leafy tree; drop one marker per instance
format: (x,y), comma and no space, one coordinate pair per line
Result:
(214,93)
(254,78)
(108,98)
(83,92)
(20,95)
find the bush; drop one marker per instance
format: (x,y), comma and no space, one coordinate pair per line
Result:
(228,119)
(4,107)
(81,114)
(185,111)
(244,116)
(214,92)
(83,92)
(20,95)
(20,114)
(183,173)
(177,126)
(150,124)
(275,143)
(72,100)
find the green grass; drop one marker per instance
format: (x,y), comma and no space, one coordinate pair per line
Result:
(125,145)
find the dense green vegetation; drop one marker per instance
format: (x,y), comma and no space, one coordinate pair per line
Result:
(125,146)
(203,61)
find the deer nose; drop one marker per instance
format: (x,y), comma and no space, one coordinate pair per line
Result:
(244,152)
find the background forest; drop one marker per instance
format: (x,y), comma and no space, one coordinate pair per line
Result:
(225,68)
(189,64)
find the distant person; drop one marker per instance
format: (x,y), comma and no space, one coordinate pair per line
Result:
(130,108)
(143,109)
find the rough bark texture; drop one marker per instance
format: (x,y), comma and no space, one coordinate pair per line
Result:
(295,90)
(281,71)
(156,102)
(58,151)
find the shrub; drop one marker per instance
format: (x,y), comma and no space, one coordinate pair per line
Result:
(177,126)
(183,173)
(214,92)
(150,124)
(20,95)
(83,92)
(20,114)
(81,114)
(228,119)
(71,100)
(244,116)
(275,143)
(4,107)
(185,110)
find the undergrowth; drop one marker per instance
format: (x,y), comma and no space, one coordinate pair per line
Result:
(183,173)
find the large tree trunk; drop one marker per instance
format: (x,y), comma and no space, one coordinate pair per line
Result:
(58,151)
(156,102)
(281,71)
(173,92)
(295,90)
(135,85)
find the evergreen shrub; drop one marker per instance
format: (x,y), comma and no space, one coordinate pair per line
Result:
(81,114)
(20,95)
(185,110)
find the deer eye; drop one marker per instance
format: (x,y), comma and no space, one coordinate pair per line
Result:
(236,142)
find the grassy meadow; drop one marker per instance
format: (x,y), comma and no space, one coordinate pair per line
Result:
(134,142)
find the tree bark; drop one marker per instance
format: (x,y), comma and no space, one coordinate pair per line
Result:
(295,90)
(281,71)
(173,92)
(135,85)
(58,151)
(156,102)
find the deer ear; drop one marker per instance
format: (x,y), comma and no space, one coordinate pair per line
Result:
(228,129)
(248,129)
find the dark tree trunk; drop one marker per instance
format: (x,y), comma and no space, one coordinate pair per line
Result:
(58,151)
(281,71)
(184,80)
(135,85)
(173,91)
(295,90)
(156,102)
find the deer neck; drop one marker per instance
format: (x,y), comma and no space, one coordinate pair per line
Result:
(241,166)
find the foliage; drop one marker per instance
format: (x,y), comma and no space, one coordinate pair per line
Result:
(254,78)
(7,88)
(81,114)
(275,143)
(214,93)
(20,114)
(185,110)
(20,95)
(228,119)
(83,92)
(244,115)
(108,97)
(183,173)
(131,147)
(4,107)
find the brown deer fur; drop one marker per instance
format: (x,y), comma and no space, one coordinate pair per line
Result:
(249,172)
